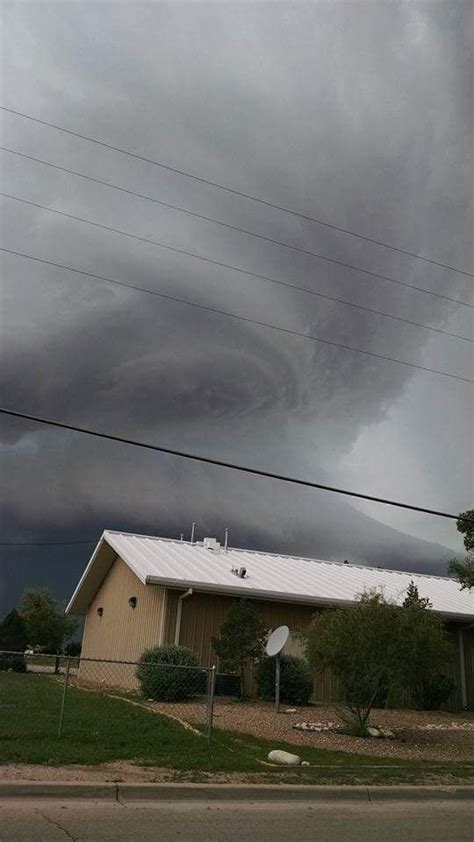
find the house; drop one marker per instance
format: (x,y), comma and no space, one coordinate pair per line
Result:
(140,591)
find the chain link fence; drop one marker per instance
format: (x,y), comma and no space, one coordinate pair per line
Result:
(181,693)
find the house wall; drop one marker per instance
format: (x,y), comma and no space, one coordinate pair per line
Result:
(122,633)
(202,615)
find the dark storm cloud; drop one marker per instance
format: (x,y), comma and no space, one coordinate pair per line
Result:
(349,112)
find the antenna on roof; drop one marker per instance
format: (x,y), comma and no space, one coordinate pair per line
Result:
(226,538)
(193,529)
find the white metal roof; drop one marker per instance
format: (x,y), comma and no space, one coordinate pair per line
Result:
(172,563)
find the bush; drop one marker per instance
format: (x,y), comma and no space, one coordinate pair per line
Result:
(434,692)
(73,648)
(15,663)
(162,678)
(13,638)
(296,682)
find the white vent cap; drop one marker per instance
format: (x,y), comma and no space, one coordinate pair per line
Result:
(211,544)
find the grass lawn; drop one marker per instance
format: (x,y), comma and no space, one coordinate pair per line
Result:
(98,729)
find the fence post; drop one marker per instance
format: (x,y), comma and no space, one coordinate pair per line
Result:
(63,700)
(210,700)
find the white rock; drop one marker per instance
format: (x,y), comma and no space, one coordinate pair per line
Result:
(373,732)
(305,763)
(284,757)
(291,710)
(387,733)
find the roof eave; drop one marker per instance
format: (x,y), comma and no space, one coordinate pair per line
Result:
(276,596)
(70,606)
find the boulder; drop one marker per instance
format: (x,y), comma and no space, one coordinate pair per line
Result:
(373,732)
(387,733)
(284,757)
(291,710)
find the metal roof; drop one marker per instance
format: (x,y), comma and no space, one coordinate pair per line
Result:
(173,563)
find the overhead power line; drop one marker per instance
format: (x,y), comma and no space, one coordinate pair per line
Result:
(45,543)
(227,314)
(231,465)
(299,249)
(235,192)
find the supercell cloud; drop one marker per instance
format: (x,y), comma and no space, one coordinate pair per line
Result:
(353,113)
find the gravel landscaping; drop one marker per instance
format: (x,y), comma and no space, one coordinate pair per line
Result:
(419,735)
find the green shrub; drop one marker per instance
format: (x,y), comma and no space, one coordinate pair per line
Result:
(15,663)
(73,648)
(434,692)
(296,682)
(162,677)
(13,638)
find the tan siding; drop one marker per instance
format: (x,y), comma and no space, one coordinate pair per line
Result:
(203,614)
(122,633)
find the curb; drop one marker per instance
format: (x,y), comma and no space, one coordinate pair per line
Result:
(134,792)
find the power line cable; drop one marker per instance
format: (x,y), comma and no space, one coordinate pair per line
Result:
(45,543)
(219,463)
(271,240)
(231,465)
(246,319)
(235,192)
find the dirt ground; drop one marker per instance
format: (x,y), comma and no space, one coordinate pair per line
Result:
(419,735)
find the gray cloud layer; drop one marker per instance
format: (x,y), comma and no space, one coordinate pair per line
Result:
(356,113)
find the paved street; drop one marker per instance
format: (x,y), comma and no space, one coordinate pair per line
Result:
(81,821)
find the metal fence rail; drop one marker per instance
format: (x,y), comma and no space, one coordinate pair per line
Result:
(182,693)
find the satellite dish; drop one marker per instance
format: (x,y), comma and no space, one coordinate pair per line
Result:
(277,640)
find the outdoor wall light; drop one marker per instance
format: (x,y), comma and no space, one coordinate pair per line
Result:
(132,602)
(100,611)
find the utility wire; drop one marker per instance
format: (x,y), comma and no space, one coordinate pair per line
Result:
(263,237)
(234,315)
(232,466)
(234,192)
(45,543)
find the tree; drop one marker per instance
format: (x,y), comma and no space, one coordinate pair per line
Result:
(242,638)
(376,646)
(46,624)
(413,598)
(465,525)
(13,635)
(424,649)
(464,570)
(13,638)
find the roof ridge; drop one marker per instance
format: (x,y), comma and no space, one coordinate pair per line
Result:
(286,556)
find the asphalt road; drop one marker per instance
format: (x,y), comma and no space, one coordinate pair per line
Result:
(389,821)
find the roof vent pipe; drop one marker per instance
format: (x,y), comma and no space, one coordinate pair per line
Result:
(226,538)
(193,529)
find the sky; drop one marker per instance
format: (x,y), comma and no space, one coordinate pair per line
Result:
(355,113)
